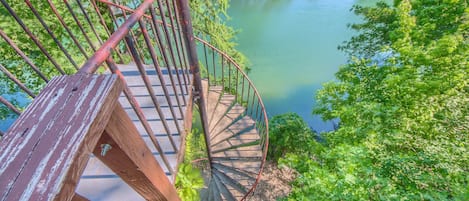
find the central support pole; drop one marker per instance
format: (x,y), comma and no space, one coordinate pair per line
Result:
(183,8)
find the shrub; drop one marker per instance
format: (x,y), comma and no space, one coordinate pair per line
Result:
(289,133)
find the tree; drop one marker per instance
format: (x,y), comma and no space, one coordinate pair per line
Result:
(403,105)
(289,133)
(208,20)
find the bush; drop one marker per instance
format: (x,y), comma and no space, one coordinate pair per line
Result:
(289,133)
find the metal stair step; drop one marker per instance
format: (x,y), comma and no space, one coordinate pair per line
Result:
(222,107)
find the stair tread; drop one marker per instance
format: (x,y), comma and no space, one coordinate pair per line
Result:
(240,130)
(235,112)
(222,107)
(214,94)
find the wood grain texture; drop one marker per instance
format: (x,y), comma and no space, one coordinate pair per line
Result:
(78,197)
(45,151)
(132,160)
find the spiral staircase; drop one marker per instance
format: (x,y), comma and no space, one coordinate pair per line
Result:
(170,71)
(237,126)
(235,147)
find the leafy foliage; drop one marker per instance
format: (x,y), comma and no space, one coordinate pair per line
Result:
(289,133)
(189,179)
(195,146)
(403,107)
(188,182)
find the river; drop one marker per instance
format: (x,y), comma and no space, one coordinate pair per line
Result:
(292,48)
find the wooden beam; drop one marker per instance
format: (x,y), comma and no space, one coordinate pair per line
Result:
(78,197)
(46,150)
(130,158)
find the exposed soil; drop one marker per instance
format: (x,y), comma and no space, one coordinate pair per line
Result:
(274,183)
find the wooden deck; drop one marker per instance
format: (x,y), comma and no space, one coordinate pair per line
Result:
(98,182)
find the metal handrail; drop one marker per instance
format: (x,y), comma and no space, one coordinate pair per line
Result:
(100,56)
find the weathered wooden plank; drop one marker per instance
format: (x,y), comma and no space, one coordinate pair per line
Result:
(235,126)
(154,80)
(237,159)
(46,150)
(132,160)
(143,91)
(157,127)
(145,101)
(78,197)
(228,138)
(152,113)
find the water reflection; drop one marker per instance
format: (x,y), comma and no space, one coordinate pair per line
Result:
(292,45)
(22,99)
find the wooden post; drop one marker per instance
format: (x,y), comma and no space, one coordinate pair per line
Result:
(129,157)
(44,153)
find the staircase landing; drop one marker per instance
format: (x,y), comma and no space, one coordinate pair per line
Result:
(98,182)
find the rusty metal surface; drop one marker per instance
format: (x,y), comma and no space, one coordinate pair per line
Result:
(105,50)
(187,31)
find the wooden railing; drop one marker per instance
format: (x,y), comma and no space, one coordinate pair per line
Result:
(47,149)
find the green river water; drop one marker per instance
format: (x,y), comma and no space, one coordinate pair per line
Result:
(292,48)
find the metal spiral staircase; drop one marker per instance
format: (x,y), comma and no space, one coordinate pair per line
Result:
(237,125)
(162,71)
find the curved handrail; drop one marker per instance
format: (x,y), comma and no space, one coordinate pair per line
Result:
(261,118)
(104,51)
